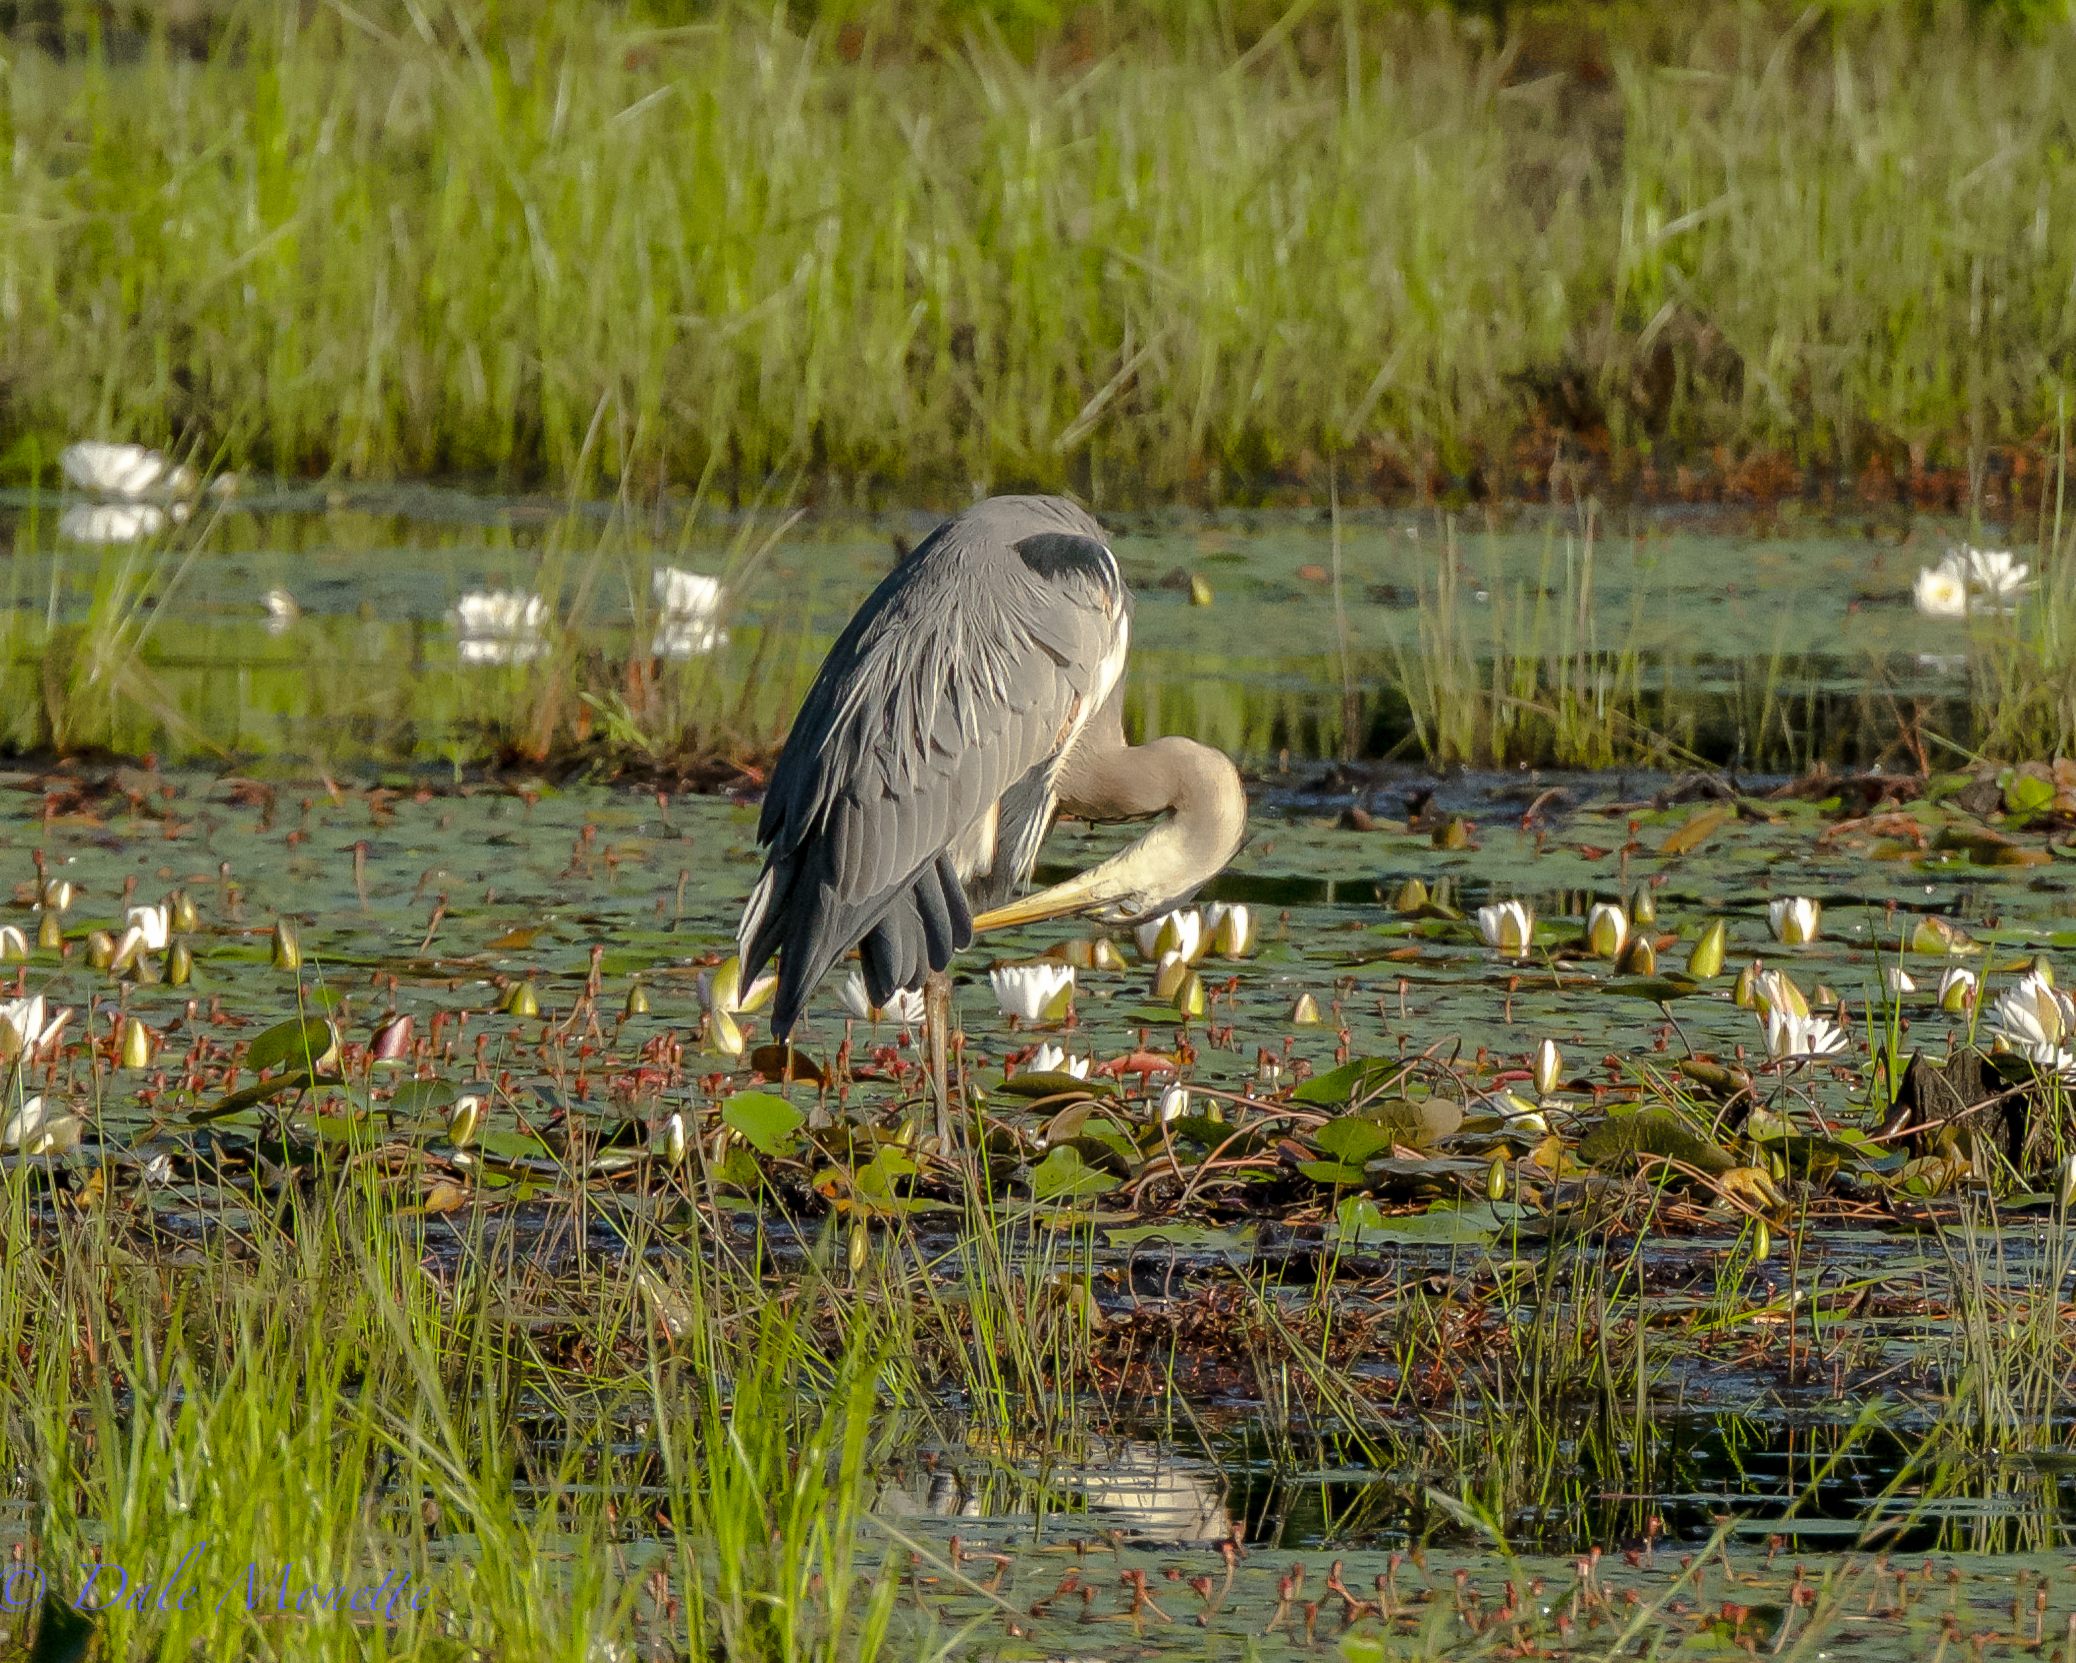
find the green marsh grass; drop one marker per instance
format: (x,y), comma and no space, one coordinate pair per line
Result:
(556,241)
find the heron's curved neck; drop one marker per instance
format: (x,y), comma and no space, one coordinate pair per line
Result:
(1197,787)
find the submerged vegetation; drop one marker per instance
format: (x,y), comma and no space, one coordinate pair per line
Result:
(1678,252)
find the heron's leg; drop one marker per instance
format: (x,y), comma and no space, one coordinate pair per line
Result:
(937,1039)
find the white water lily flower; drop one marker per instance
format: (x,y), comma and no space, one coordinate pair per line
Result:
(1971,580)
(499,626)
(58,895)
(282,611)
(1775,990)
(127,946)
(36,1128)
(1789,1034)
(126,471)
(154,923)
(1053,1059)
(1035,992)
(1174,1104)
(1607,928)
(1895,981)
(1941,591)
(1957,989)
(116,522)
(1173,932)
(1509,926)
(904,1005)
(1995,581)
(24,1028)
(2033,1020)
(687,604)
(13,943)
(1795,920)
(1231,929)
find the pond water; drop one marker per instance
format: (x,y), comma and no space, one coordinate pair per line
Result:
(437,903)
(1770,637)
(331,792)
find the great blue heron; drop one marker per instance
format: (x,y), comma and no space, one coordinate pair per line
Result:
(977,691)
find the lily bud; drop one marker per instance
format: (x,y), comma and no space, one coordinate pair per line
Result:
(100,950)
(1103,955)
(1643,905)
(50,934)
(1706,959)
(1168,975)
(392,1041)
(1305,1012)
(57,895)
(1937,937)
(1744,993)
(288,952)
(180,964)
(637,1000)
(1496,1177)
(1232,929)
(13,944)
(522,1001)
(1509,926)
(1174,1104)
(1176,932)
(136,1044)
(1957,989)
(1188,997)
(1453,833)
(1639,958)
(1607,928)
(1795,920)
(463,1118)
(668,1142)
(1549,1067)
(1411,896)
(723,1035)
(128,946)
(180,907)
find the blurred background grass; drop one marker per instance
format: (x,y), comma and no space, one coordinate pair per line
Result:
(1131,250)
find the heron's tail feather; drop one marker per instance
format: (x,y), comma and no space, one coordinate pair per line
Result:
(923,927)
(902,934)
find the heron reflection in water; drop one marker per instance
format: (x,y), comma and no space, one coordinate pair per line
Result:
(976,693)
(1139,1488)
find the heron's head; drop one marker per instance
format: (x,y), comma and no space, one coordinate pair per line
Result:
(1167,866)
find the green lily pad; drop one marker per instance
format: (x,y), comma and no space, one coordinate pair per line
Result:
(766,1120)
(1064,1176)
(1653,1131)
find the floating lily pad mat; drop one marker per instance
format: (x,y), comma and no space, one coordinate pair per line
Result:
(1009,1592)
(1347,1156)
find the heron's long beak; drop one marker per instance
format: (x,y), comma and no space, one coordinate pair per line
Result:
(1075,895)
(1120,883)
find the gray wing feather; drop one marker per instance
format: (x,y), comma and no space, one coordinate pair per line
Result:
(946,693)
